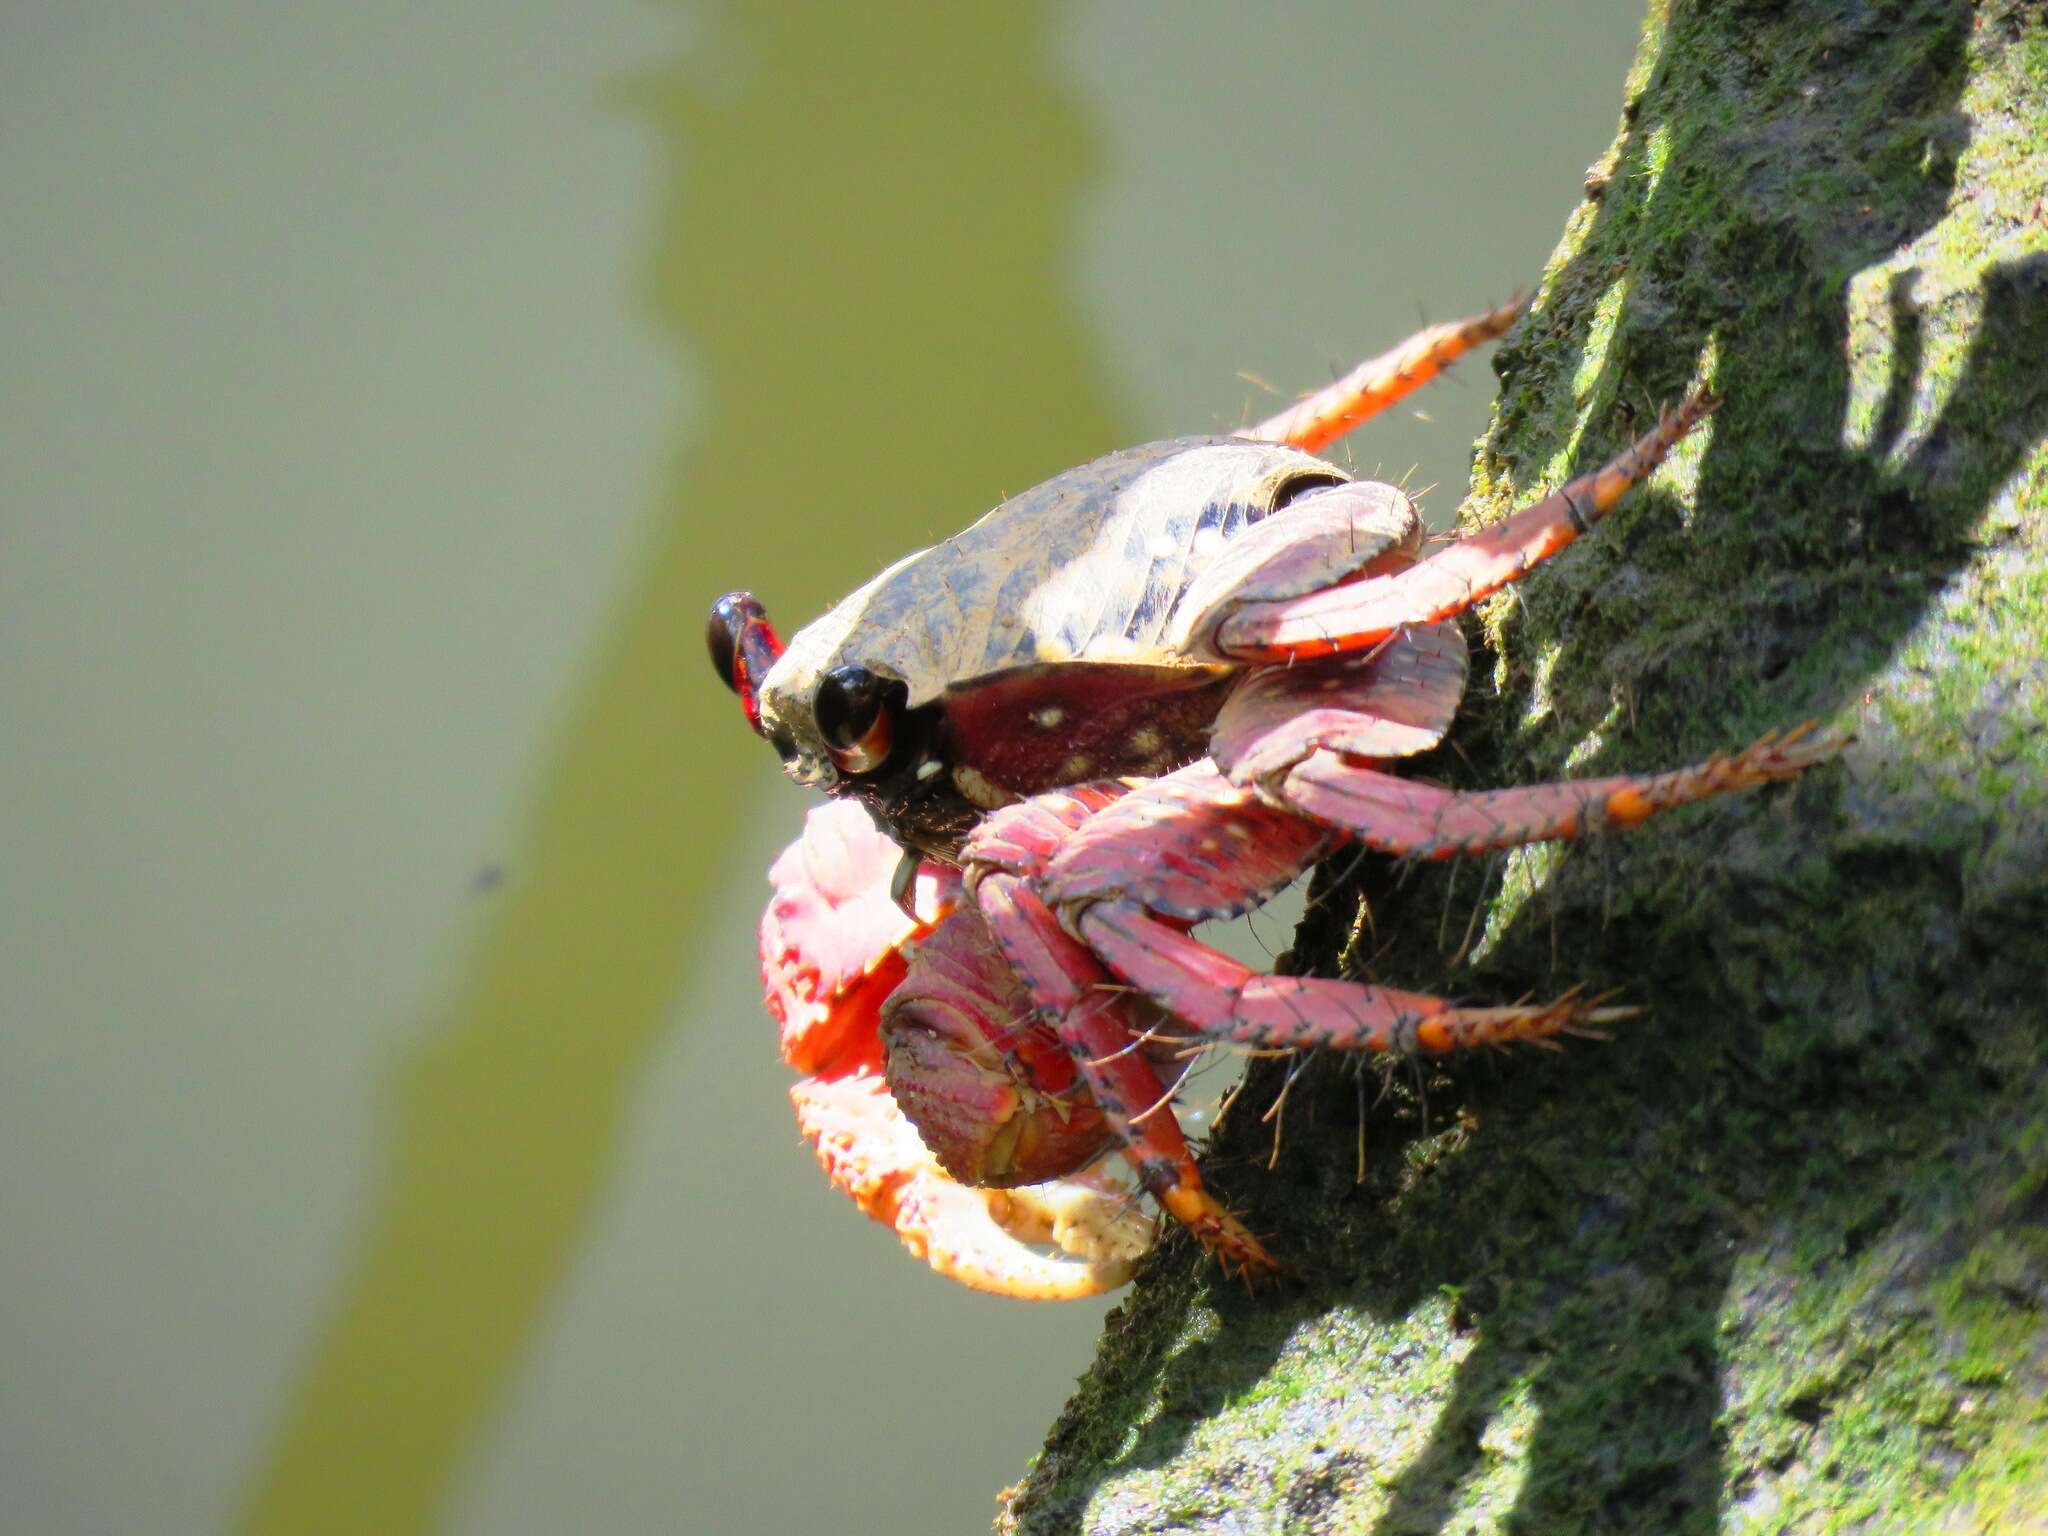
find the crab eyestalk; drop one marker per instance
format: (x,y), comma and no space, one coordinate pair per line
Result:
(743,647)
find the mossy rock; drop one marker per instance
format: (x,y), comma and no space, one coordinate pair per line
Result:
(1776,1257)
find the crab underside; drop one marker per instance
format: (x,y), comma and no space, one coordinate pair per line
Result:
(980,1049)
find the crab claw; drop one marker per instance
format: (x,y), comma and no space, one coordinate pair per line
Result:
(835,945)
(833,935)
(980,1237)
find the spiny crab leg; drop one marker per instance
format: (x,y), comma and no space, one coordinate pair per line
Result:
(1162,849)
(1403,816)
(1222,999)
(1361,614)
(1379,382)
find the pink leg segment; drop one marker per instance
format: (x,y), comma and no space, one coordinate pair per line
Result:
(1216,996)
(1190,845)
(1372,386)
(1401,816)
(1350,618)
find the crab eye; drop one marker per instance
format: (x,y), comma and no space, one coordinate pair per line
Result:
(856,715)
(743,648)
(730,617)
(722,635)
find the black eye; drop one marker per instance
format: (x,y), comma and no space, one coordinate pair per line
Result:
(847,705)
(729,615)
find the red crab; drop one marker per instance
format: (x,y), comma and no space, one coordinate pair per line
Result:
(1144,694)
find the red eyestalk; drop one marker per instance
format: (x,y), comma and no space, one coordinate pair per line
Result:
(743,648)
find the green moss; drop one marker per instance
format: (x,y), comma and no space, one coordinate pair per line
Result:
(1776,1259)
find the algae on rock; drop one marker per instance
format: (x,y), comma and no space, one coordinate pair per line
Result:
(1775,1258)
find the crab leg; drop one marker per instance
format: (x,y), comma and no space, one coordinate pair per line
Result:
(1374,385)
(1210,847)
(1361,614)
(1401,816)
(1093,1017)
(1220,998)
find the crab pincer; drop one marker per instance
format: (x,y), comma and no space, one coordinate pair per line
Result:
(837,952)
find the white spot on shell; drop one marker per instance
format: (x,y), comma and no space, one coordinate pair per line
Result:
(1076,768)
(1145,742)
(1048,717)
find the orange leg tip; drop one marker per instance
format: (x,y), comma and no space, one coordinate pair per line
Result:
(1221,1234)
(1326,415)
(1238,1252)
(1703,401)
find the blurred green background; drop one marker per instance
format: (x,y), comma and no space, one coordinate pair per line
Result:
(391,1138)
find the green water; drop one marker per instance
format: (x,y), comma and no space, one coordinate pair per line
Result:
(393,1140)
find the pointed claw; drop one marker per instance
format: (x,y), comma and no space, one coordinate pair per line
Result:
(978,1237)
(1537,1024)
(1225,1238)
(1614,1015)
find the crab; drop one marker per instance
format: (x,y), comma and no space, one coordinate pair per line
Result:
(1148,693)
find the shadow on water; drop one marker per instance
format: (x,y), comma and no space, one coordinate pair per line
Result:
(873,296)
(1837,1100)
